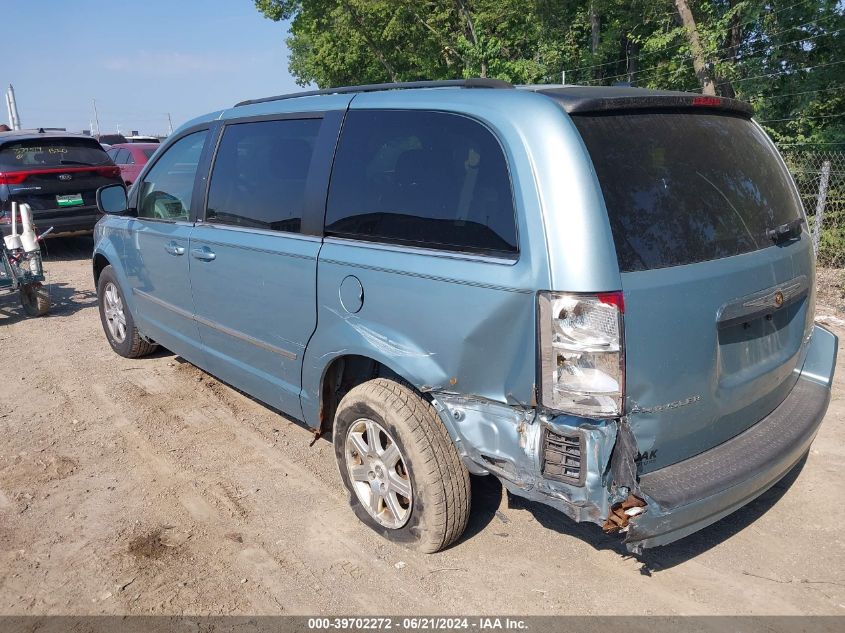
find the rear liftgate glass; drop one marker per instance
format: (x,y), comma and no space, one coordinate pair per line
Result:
(705,218)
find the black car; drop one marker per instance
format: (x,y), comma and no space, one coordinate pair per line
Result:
(57,174)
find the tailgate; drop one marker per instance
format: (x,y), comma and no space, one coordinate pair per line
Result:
(56,176)
(56,193)
(717,273)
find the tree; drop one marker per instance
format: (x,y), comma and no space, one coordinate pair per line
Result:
(786,57)
(699,62)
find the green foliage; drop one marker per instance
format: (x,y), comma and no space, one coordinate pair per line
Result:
(786,57)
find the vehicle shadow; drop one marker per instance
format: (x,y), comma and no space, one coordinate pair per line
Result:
(65,249)
(487,497)
(666,557)
(64,301)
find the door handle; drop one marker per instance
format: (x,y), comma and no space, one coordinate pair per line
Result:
(203,253)
(174,249)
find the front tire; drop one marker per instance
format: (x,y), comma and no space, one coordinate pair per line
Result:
(403,472)
(118,324)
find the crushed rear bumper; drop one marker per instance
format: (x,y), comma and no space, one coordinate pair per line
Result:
(689,495)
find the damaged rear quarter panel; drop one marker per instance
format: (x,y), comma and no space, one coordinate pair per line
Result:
(436,332)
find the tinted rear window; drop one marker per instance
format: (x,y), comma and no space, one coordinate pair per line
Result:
(148,153)
(260,174)
(683,188)
(48,152)
(425,179)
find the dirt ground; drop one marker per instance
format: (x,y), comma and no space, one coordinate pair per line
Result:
(147,486)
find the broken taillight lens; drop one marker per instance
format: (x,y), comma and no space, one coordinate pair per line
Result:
(582,359)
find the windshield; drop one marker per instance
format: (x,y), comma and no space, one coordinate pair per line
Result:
(683,188)
(51,152)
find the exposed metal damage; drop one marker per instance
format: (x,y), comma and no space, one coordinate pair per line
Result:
(622,513)
(584,468)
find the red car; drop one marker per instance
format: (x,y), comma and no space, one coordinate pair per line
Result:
(131,158)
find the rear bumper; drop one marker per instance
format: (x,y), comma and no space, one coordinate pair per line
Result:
(687,496)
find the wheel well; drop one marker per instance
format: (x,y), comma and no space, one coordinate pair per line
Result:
(100,262)
(344,373)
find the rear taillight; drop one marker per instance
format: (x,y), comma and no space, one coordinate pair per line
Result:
(19,177)
(582,358)
(13,178)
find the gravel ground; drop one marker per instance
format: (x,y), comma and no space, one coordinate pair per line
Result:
(147,486)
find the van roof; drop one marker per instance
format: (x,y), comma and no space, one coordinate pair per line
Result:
(573,98)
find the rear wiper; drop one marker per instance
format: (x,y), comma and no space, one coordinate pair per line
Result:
(787,231)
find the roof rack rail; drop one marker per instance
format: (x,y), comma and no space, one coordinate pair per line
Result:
(472,82)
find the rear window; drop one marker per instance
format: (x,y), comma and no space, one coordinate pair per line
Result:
(682,188)
(47,153)
(148,153)
(260,174)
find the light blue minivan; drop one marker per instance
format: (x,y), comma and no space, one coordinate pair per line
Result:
(602,296)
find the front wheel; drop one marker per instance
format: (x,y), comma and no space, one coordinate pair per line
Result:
(34,299)
(118,324)
(403,472)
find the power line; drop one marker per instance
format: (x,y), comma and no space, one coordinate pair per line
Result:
(782,72)
(715,61)
(812,143)
(806,118)
(774,48)
(674,46)
(805,92)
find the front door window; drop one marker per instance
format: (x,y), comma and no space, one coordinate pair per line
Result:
(167,188)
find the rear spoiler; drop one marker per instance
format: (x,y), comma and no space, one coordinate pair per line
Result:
(580,101)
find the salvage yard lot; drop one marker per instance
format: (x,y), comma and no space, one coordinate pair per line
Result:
(147,486)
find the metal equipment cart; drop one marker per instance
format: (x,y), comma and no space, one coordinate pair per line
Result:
(24,272)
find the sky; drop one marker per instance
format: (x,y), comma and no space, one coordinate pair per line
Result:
(140,60)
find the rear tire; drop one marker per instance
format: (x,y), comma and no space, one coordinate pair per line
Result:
(427,478)
(35,299)
(118,324)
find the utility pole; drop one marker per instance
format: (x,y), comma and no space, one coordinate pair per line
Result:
(169,125)
(14,119)
(96,117)
(9,108)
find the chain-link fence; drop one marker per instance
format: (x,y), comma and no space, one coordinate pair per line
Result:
(819,172)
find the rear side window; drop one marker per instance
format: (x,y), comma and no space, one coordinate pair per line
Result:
(683,188)
(417,178)
(260,173)
(51,153)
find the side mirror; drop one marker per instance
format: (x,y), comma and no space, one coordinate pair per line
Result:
(112,199)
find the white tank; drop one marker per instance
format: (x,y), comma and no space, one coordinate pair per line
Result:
(29,240)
